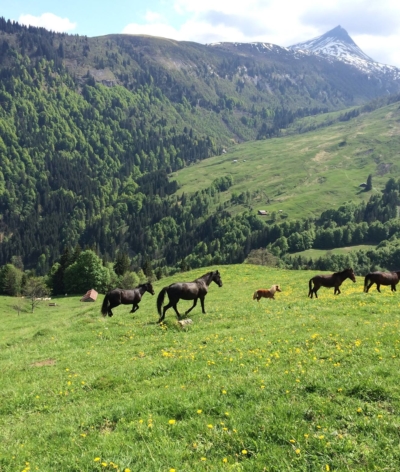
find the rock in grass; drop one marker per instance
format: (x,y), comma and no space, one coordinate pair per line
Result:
(184,323)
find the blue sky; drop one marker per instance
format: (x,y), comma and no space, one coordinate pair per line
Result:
(374,25)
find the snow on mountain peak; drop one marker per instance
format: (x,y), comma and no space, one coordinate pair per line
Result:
(336,44)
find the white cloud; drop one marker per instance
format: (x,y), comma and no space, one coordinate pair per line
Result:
(49,21)
(375,26)
(153,17)
(377,48)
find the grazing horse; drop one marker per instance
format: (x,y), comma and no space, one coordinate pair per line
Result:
(334,280)
(187,291)
(266,293)
(381,278)
(125,297)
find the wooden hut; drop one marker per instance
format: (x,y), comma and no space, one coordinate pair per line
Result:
(90,296)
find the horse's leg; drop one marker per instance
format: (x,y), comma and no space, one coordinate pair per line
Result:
(110,306)
(202,305)
(369,286)
(166,307)
(315,290)
(135,307)
(176,310)
(378,287)
(337,291)
(190,309)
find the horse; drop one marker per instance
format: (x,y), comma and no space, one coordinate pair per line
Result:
(187,291)
(334,280)
(266,293)
(125,297)
(381,278)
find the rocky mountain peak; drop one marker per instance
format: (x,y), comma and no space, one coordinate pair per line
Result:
(336,42)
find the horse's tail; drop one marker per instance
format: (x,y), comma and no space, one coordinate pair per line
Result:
(366,282)
(160,299)
(255,295)
(310,287)
(104,306)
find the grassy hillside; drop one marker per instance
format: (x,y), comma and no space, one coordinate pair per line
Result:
(316,253)
(287,384)
(305,174)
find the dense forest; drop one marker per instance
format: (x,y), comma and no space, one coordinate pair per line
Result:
(187,239)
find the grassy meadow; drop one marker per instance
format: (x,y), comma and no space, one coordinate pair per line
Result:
(317,253)
(305,174)
(291,384)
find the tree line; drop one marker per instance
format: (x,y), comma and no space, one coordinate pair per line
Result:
(189,238)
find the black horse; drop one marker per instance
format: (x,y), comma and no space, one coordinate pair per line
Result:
(125,297)
(187,291)
(381,278)
(334,280)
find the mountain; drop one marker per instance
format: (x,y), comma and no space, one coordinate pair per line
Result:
(337,45)
(91,130)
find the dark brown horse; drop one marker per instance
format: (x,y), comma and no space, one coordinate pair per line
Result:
(334,280)
(125,297)
(187,291)
(381,278)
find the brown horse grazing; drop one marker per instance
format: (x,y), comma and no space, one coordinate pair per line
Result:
(266,293)
(381,278)
(125,297)
(187,291)
(334,280)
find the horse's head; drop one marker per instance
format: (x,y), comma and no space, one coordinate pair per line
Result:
(351,274)
(277,288)
(217,278)
(149,288)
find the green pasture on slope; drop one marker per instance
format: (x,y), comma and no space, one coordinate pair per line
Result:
(291,384)
(317,253)
(305,174)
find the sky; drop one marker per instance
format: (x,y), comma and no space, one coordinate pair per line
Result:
(374,25)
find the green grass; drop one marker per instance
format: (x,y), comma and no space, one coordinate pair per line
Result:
(290,384)
(317,253)
(303,175)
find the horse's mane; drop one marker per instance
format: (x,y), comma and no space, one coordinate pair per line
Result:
(349,269)
(142,285)
(204,276)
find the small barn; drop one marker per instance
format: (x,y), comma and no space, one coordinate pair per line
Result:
(90,296)
(262,212)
